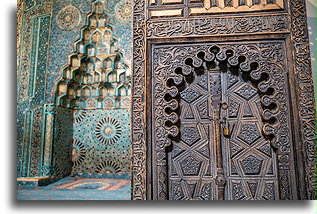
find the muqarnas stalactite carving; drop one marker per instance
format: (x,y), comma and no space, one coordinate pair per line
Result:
(96,76)
(95,84)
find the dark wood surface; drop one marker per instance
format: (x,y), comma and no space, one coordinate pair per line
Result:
(223,105)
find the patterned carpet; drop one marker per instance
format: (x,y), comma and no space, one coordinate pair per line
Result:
(79,188)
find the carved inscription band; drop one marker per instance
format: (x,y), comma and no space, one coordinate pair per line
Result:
(218,26)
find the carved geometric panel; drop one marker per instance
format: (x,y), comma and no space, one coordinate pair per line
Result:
(232,79)
(251,165)
(253,185)
(190,165)
(203,109)
(266,149)
(249,133)
(206,191)
(252,189)
(233,108)
(237,190)
(235,149)
(269,191)
(190,135)
(246,92)
(178,193)
(189,95)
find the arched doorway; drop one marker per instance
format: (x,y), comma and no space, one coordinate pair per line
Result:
(281,126)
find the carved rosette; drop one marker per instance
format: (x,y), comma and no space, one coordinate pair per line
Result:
(264,63)
(124,11)
(68,18)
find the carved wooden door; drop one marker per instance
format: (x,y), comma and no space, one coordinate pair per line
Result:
(249,157)
(214,121)
(191,161)
(222,101)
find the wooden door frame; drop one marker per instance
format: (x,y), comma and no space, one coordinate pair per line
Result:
(302,100)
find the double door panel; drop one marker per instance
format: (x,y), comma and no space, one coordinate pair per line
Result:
(192,159)
(215,147)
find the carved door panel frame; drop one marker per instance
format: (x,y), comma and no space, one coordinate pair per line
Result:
(169,65)
(288,24)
